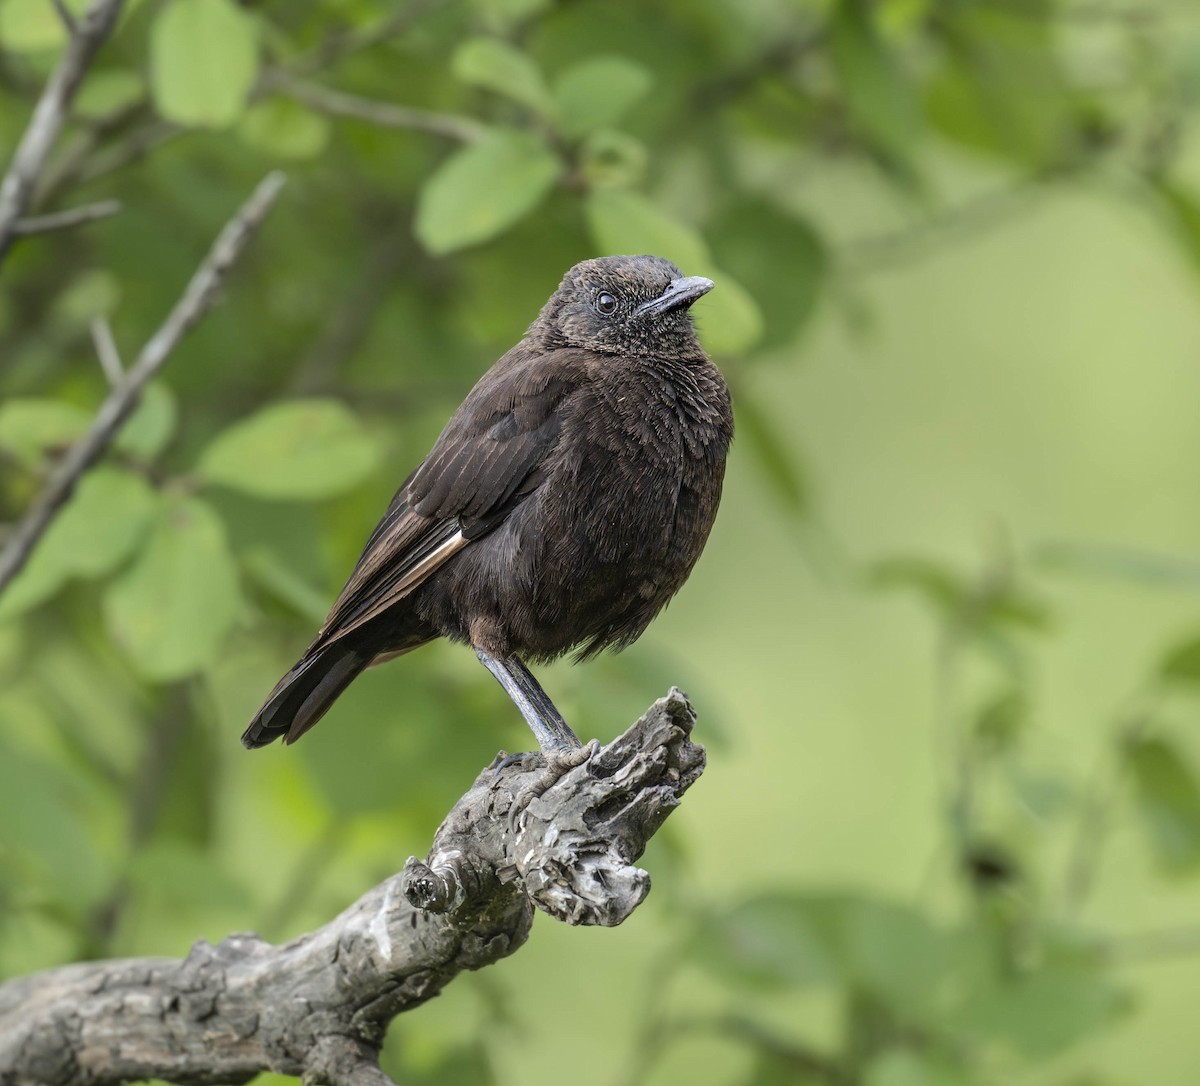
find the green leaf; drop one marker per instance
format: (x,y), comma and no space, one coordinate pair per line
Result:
(782,939)
(301,450)
(203,61)
(779,464)
(483,190)
(93,292)
(279,126)
(728,320)
(30,428)
(151,425)
(1039,1013)
(621,221)
(608,158)
(598,92)
(754,241)
(1002,718)
(109,90)
(1168,799)
(898,955)
(507,13)
(627,222)
(497,66)
(905,1067)
(1181,664)
(33,26)
(1002,89)
(102,522)
(777,940)
(940,585)
(879,97)
(779,1068)
(173,609)
(277,578)
(43,812)
(1182,212)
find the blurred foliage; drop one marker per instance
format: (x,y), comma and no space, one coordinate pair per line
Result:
(447,162)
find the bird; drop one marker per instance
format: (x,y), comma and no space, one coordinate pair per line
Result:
(563,505)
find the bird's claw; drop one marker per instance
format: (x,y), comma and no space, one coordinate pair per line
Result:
(559,762)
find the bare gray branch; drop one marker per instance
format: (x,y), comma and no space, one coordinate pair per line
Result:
(119,404)
(384,114)
(106,349)
(17,188)
(64,220)
(64,13)
(319,1006)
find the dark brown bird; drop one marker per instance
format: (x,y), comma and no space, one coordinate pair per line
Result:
(563,505)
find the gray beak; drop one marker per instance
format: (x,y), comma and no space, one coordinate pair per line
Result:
(679,295)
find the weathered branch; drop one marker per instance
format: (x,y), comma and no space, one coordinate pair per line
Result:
(87,34)
(120,402)
(319,1005)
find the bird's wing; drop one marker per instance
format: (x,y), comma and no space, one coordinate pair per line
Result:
(496,440)
(487,458)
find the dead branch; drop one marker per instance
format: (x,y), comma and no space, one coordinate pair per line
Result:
(319,1006)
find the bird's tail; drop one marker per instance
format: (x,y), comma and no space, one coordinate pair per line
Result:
(304,695)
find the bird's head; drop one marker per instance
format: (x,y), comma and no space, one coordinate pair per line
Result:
(624,304)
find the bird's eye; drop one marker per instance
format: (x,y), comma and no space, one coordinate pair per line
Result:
(606,303)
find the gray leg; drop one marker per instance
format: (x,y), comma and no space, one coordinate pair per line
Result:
(553,734)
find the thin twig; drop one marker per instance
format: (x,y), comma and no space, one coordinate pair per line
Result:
(106,349)
(64,13)
(805,1061)
(872,252)
(64,168)
(1169,944)
(146,792)
(385,114)
(332,49)
(49,114)
(120,402)
(348,320)
(1102,790)
(64,220)
(139,143)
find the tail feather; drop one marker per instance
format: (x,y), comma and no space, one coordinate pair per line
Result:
(304,695)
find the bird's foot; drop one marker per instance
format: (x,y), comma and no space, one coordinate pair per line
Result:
(559,762)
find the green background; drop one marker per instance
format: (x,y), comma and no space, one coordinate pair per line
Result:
(943,641)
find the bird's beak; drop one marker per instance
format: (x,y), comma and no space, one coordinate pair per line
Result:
(679,295)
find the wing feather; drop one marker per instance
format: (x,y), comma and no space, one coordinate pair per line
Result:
(488,458)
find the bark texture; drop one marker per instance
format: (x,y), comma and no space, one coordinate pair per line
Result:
(521,838)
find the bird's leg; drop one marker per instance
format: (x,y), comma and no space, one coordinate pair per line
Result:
(553,734)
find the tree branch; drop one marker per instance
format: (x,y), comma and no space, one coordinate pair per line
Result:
(17,188)
(64,220)
(197,298)
(320,1005)
(106,351)
(64,13)
(385,114)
